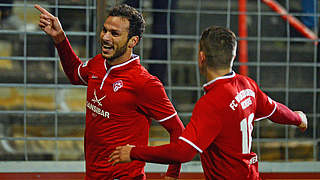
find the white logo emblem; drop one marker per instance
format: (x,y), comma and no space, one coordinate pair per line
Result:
(117,85)
(96,98)
(94,77)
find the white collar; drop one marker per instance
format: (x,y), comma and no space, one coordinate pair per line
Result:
(134,57)
(221,77)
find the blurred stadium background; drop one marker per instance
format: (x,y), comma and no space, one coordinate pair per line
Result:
(42,115)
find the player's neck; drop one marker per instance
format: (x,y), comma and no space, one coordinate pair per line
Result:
(213,74)
(124,58)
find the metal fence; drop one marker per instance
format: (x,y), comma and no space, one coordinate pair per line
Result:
(42,115)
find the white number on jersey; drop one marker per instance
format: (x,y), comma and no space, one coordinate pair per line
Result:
(246,128)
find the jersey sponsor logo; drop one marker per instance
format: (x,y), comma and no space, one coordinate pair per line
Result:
(96,99)
(117,85)
(97,110)
(242,95)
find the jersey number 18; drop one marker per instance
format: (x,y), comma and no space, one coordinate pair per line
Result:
(246,128)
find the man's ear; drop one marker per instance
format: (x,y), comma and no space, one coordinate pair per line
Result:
(133,41)
(202,58)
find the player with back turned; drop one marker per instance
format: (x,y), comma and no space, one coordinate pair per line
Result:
(122,97)
(222,121)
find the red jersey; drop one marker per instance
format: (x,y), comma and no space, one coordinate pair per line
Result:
(121,101)
(221,126)
(220,129)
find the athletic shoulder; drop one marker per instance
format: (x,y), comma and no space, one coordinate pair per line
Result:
(98,59)
(246,81)
(206,101)
(94,63)
(145,78)
(242,77)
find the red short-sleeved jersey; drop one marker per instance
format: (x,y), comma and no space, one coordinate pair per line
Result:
(121,101)
(222,123)
(220,129)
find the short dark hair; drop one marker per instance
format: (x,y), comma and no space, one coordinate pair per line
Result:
(136,21)
(219,46)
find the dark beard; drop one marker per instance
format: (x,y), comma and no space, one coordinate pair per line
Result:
(118,53)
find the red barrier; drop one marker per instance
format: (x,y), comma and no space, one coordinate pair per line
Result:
(304,30)
(243,34)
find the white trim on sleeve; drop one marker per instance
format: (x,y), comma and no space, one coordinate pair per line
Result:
(191,143)
(169,117)
(274,109)
(81,76)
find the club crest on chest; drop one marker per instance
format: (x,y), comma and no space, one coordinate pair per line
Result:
(117,85)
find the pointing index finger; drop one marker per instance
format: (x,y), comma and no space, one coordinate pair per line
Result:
(42,10)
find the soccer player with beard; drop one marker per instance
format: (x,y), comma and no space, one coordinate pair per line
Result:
(222,121)
(122,97)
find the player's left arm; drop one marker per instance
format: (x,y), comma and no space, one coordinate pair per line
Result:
(156,104)
(284,115)
(175,127)
(277,112)
(173,153)
(198,135)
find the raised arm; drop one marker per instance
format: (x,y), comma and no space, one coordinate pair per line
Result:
(50,25)
(72,65)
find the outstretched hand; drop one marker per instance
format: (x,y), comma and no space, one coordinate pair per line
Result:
(50,25)
(304,123)
(121,154)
